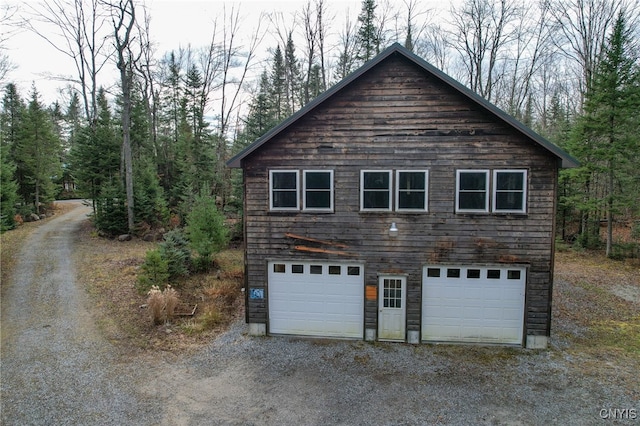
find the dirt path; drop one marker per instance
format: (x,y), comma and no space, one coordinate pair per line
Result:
(56,368)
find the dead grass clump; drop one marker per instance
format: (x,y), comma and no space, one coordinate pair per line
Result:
(170,301)
(162,304)
(155,302)
(225,292)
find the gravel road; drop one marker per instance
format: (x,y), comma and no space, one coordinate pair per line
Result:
(56,369)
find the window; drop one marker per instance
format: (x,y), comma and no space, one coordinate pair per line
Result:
(315,269)
(318,190)
(509,193)
(392,293)
(284,190)
(453,273)
(279,268)
(353,270)
(513,274)
(473,273)
(335,270)
(297,269)
(433,272)
(493,274)
(411,190)
(375,190)
(472,194)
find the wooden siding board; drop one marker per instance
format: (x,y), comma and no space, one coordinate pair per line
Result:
(396,117)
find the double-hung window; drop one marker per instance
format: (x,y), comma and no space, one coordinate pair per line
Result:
(318,190)
(510,191)
(284,190)
(472,191)
(507,190)
(411,190)
(375,190)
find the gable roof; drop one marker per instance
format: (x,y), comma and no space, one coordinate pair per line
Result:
(567,160)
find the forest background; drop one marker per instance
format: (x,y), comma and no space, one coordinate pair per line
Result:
(145,133)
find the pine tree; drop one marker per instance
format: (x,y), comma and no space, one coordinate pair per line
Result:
(197,142)
(8,191)
(73,120)
(95,155)
(293,78)
(169,124)
(277,91)
(13,111)
(39,151)
(606,136)
(367,38)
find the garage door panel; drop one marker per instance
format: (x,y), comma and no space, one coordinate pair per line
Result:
(483,305)
(318,303)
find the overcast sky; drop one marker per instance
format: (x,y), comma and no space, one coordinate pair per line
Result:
(174,23)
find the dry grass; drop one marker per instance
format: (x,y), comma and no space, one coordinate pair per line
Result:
(155,304)
(588,297)
(109,270)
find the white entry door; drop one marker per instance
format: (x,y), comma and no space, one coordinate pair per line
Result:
(392,296)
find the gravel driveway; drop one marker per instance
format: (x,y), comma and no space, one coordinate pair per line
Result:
(57,369)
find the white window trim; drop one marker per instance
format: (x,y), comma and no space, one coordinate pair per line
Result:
(426,191)
(390,190)
(495,190)
(487,191)
(297,207)
(304,191)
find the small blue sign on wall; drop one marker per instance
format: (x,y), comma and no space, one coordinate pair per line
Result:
(256,293)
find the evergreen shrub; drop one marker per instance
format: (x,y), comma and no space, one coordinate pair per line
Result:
(175,251)
(154,272)
(206,230)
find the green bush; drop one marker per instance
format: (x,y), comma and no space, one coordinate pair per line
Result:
(111,213)
(8,194)
(206,230)
(154,272)
(175,251)
(621,251)
(589,241)
(150,205)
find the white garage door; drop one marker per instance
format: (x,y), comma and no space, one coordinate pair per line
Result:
(473,304)
(316,299)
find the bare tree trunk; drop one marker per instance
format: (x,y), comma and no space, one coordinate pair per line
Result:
(123,23)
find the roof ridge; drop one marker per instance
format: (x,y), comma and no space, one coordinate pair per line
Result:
(567,160)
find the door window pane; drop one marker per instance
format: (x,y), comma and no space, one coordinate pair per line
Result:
(335,270)
(392,293)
